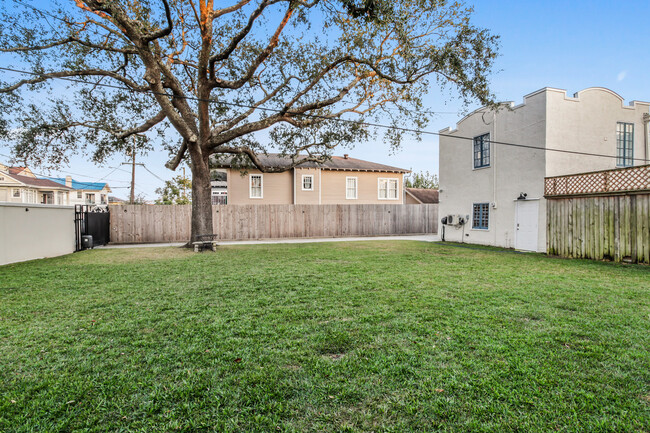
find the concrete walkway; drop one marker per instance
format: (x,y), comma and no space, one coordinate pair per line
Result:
(422,238)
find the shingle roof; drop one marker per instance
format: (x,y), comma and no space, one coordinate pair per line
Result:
(81,185)
(336,163)
(424,195)
(34,181)
(15,170)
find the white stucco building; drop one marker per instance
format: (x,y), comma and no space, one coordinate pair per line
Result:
(491,159)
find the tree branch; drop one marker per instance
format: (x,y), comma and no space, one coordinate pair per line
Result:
(273,42)
(162,32)
(67,74)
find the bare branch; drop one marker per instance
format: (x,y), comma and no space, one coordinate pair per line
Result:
(67,74)
(162,32)
(144,127)
(273,42)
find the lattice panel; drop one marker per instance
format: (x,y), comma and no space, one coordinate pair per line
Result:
(628,179)
(633,178)
(585,183)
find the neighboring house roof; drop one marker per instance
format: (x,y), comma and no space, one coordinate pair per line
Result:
(22,171)
(95,186)
(36,182)
(113,199)
(342,163)
(423,195)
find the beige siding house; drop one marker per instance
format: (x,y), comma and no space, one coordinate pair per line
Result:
(343,180)
(20,185)
(492,180)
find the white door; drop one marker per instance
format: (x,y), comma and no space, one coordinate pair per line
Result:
(526,221)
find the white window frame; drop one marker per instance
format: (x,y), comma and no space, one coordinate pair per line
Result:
(16,190)
(250,186)
(312,182)
(356,188)
(388,180)
(86,199)
(80,195)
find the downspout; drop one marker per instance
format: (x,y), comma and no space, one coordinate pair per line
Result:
(494,172)
(294,185)
(646,135)
(320,176)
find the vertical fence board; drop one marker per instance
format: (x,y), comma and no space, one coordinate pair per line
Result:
(168,223)
(602,227)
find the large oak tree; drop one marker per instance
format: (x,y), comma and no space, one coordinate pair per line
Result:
(202,79)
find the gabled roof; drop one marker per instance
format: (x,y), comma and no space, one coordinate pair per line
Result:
(36,182)
(423,195)
(22,171)
(341,163)
(97,186)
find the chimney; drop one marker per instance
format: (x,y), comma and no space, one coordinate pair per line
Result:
(345,156)
(68,181)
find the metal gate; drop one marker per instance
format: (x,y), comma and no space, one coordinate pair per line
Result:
(91,220)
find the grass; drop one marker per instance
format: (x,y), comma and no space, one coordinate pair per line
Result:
(366,336)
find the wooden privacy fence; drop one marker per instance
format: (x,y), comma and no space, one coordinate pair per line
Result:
(600,215)
(146,223)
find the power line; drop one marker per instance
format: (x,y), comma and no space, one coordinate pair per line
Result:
(42,12)
(322,117)
(88,184)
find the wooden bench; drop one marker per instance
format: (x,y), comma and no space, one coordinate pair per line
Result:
(203,241)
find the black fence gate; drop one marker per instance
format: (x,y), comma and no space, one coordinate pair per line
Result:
(91,220)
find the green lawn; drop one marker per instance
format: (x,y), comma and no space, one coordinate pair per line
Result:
(366,336)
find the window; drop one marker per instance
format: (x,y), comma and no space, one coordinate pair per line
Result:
(16,193)
(387,189)
(482,151)
(624,144)
(351,188)
(90,198)
(481,216)
(256,186)
(307,182)
(102,198)
(79,194)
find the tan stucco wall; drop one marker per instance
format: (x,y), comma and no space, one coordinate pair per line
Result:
(512,170)
(276,188)
(334,184)
(33,231)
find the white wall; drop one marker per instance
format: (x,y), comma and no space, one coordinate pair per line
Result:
(33,231)
(587,123)
(549,119)
(512,170)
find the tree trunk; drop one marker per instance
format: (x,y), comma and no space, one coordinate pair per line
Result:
(201,198)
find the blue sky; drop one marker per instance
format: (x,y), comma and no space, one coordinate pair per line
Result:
(569,45)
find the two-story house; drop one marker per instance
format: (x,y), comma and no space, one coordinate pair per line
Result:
(341,180)
(89,193)
(492,166)
(20,185)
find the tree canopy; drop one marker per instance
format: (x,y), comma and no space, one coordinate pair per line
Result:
(422,179)
(197,79)
(175,191)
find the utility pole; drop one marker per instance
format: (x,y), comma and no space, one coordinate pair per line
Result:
(132,164)
(133,172)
